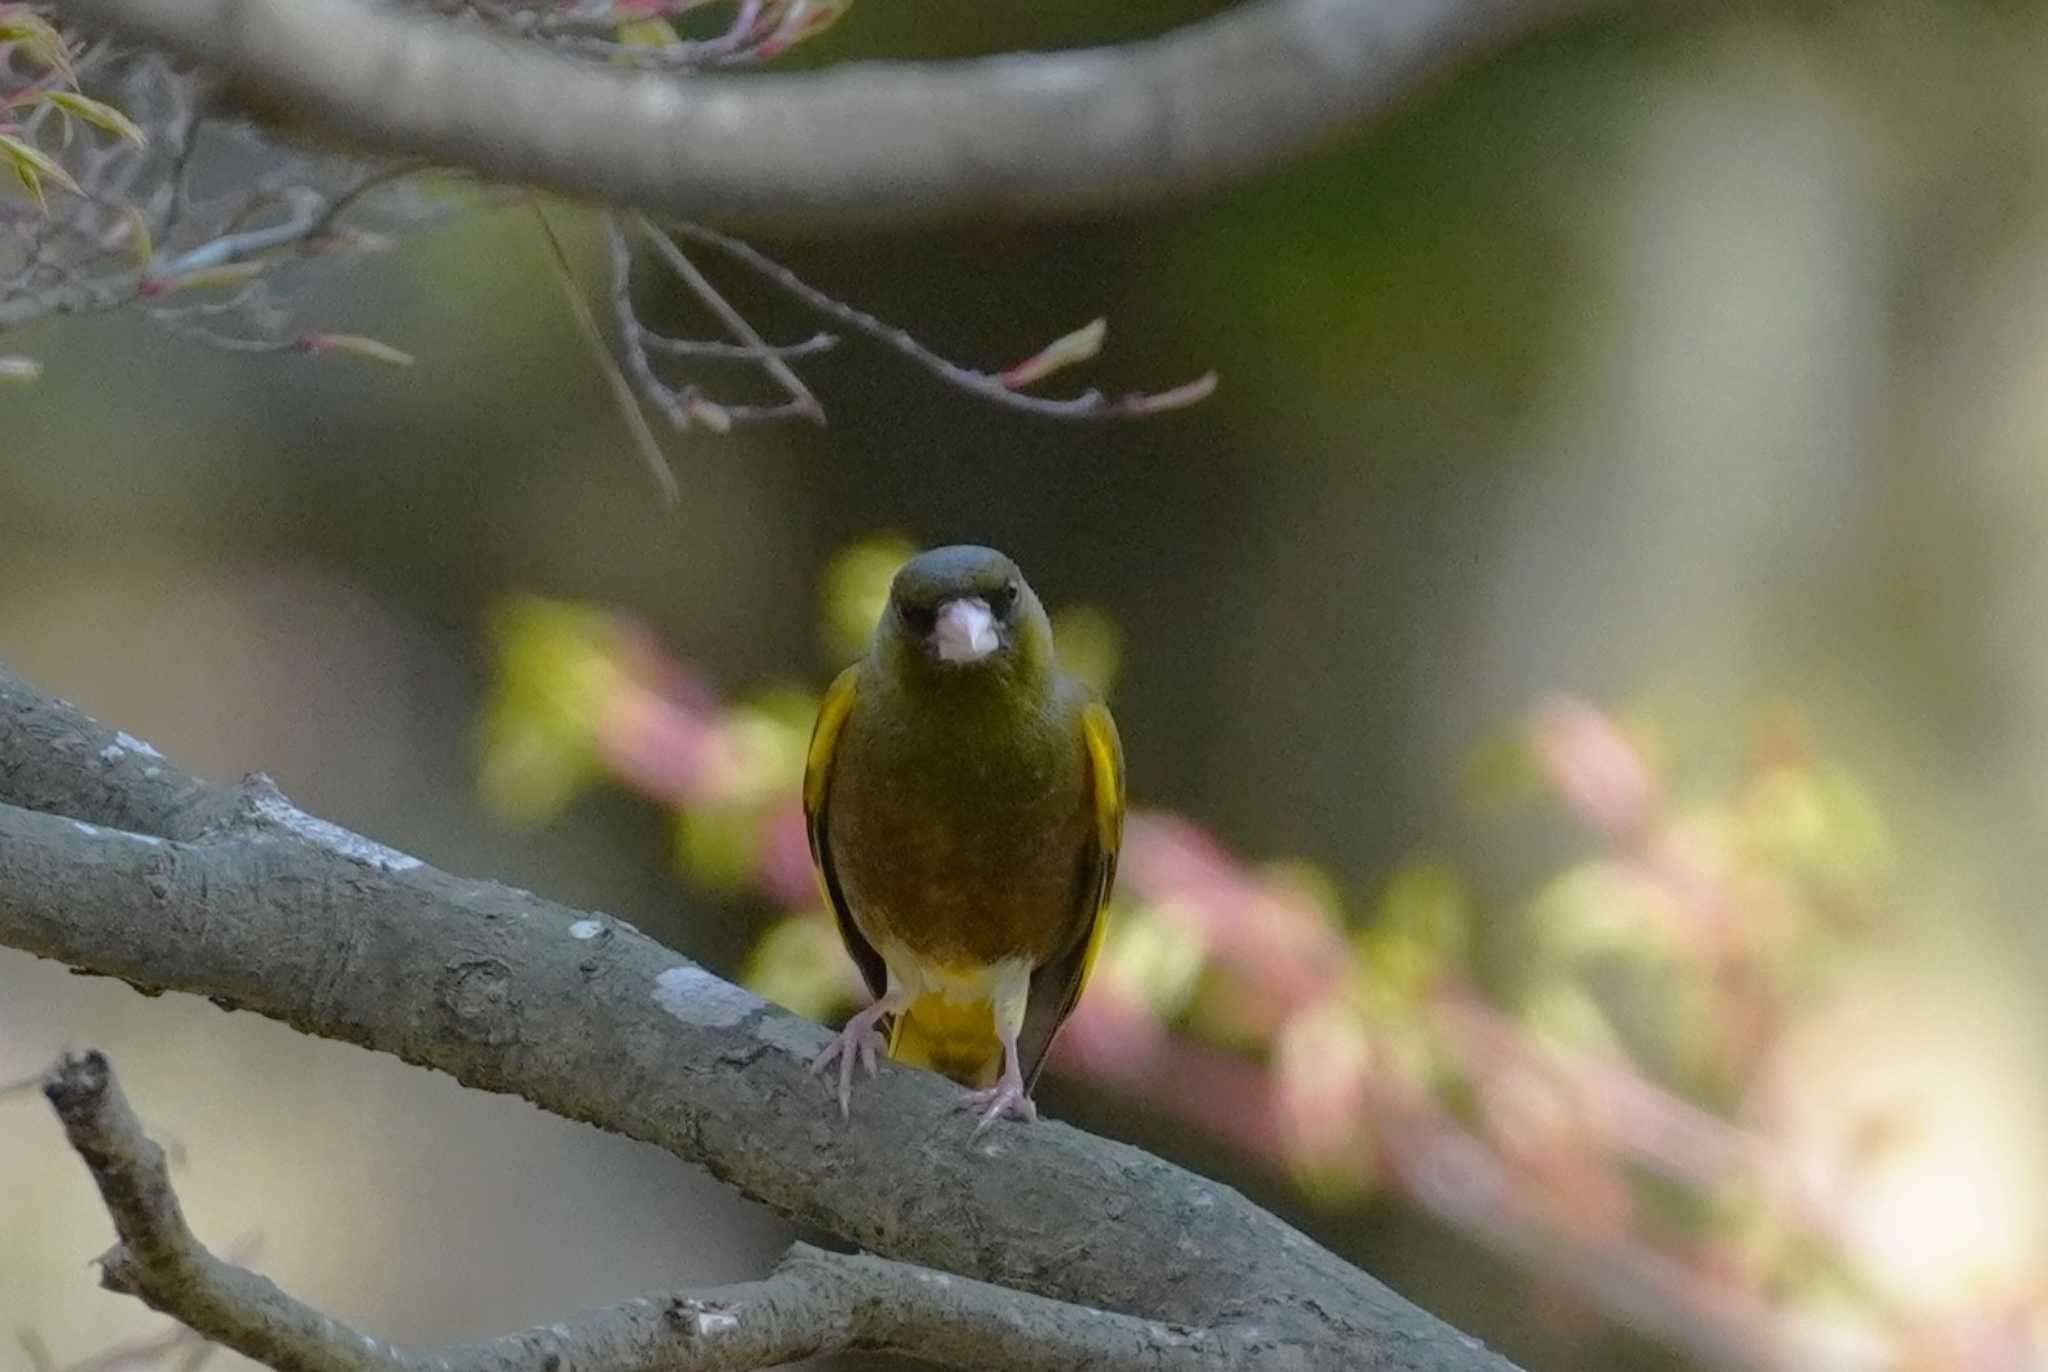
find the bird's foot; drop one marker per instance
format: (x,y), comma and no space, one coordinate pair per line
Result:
(1007,1099)
(858,1040)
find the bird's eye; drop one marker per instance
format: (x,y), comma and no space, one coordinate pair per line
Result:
(919,619)
(1002,598)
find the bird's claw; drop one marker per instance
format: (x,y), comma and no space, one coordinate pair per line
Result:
(856,1041)
(1004,1100)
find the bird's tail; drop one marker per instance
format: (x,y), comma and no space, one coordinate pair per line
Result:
(956,1040)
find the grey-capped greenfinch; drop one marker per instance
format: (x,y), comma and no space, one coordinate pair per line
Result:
(965,802)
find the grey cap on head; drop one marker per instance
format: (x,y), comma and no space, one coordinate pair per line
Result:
(960,569)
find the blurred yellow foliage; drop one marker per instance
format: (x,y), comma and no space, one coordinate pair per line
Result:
(1563,1013)
(760,747)
(1089,646)
(1322,1060)
(757,761)
(1155,955)
(799,964)
(1427,904)
(555,674)
(855,591)
(718,845)
(1607,908)
(1818,822)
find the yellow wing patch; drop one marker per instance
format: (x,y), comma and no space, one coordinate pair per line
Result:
(1106,765)
(1106,769)
(832,712)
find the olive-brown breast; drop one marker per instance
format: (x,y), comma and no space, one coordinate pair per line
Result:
(965,839)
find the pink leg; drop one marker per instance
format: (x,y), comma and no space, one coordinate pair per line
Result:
(859,1039)
(1007,1099)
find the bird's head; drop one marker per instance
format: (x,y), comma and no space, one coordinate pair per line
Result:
(965,609)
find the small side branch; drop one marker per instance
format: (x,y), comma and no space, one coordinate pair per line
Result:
(1003,388)
(814,1302)
(122,231)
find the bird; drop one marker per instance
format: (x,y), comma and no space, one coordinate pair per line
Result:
(964,801)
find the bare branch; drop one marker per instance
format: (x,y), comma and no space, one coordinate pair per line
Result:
(681,406)
(1053,133)
(615,380)
(130,235)
(801,401)
(686,404)
(814,1302)
(115,861)
(734,352)
(999,387)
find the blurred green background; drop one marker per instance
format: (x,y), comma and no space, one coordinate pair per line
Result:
(1697,356)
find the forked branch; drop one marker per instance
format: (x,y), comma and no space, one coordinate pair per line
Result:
(814,1302)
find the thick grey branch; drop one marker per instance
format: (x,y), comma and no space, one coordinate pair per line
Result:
(1063,132)
(114,861)
(814,1302)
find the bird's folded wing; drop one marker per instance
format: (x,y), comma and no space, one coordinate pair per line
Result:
(832,713)
(1056,987)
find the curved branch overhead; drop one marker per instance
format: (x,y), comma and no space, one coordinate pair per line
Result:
(114,861)
(1030,134)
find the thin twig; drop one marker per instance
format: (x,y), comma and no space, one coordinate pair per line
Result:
(622,391)
(179,326)
(712,350)
(686,405)
(374,181)
(678,407)
(802,402)
(250,293)
(1090,404)
(135,201)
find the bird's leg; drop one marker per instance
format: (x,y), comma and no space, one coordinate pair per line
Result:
(1007,1098)
(859,1039)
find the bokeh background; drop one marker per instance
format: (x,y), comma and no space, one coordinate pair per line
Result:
(1663,405)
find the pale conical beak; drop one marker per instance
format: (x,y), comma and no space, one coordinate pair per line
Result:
(966,631)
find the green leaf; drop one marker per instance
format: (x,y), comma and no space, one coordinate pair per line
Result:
(38,38)
(33,166)
(100,115)
(31,183)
